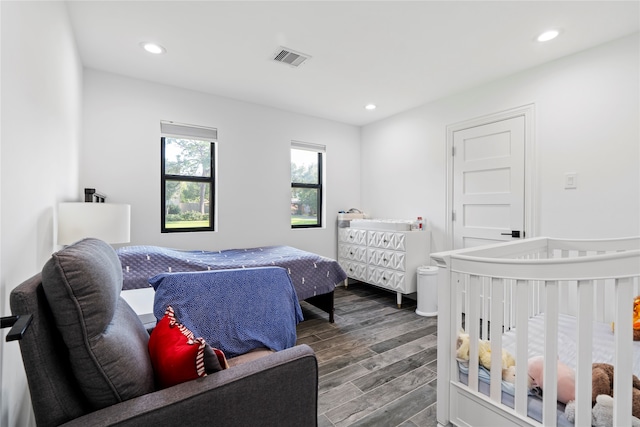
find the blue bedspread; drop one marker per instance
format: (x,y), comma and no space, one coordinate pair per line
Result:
(311,274)
(234,310)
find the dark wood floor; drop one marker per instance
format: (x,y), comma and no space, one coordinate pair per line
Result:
(377,363)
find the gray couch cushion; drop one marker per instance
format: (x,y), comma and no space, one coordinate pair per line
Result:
(107,343)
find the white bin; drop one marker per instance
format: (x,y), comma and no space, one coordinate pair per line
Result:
(427,291)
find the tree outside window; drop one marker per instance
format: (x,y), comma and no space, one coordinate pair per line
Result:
(188,181)
(306,188)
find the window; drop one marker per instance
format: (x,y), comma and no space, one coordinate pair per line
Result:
(306,184)
(188,177)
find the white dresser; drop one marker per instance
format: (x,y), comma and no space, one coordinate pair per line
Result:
(384,258)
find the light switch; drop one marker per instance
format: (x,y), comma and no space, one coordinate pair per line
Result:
(570,180)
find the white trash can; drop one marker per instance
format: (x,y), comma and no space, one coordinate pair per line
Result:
(427,291)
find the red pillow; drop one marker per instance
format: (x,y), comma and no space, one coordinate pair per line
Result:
(177,356)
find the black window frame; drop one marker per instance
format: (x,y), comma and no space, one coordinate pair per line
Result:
(164,177)
(317,186)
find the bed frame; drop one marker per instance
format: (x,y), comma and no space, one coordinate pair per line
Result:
(324,302)
(486,291)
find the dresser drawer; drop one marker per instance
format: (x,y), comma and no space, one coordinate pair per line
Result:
(354,270)
(352,236)
(352,252)
(386,240)
(389,279)
(386,259)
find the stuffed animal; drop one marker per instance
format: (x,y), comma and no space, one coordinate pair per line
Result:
(636,319)
(484,355)
(601,413)
(602,383)
(566,378)
(601,388)
(509,375)
(462,346)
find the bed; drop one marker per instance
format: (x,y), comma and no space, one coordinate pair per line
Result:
(549,297)
(314,277)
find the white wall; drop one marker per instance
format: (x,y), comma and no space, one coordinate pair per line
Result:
(586,121)
(121,157)
(40,136)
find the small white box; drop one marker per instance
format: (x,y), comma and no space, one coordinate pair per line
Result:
(381,224)
(350,216)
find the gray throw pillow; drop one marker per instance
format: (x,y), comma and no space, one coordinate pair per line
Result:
(107,342)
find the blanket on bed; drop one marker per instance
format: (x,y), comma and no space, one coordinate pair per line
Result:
(311,274)
(233,310)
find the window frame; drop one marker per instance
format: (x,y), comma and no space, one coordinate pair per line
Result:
(320,150)
(165,177)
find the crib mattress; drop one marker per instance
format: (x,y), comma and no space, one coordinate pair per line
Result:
(603,342)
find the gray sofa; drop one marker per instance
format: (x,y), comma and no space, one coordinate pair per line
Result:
(87,364)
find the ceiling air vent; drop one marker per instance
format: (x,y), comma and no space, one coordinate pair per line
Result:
(288,56)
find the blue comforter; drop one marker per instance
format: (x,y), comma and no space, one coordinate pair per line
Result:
(235,310)
(311,274)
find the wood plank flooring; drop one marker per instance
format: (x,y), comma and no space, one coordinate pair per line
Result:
(377,363)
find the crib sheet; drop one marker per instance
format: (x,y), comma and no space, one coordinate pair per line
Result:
(603,341)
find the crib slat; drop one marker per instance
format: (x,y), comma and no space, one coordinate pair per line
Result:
(550,396)
(458,286)
(522,347)
(601,300)
(484,308)
(508,309)
(623,338)
(472,323)
(497,313)
(583,362)
(448,327)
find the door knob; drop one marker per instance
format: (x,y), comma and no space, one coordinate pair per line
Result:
(514,233)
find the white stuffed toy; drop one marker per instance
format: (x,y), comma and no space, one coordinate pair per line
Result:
(601,413)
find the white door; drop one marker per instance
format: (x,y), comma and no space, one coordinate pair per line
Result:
(488,183)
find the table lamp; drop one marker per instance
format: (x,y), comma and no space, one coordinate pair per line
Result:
(109,222)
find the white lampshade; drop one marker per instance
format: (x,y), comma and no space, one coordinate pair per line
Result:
(105,221)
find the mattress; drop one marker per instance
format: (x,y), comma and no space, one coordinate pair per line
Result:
(603,342)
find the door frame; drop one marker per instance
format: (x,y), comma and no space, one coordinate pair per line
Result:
(531,217)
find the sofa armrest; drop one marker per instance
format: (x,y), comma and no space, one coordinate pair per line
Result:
(280,389)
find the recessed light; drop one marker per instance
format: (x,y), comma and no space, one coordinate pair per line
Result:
(548,35)
(370,106)
(153,48)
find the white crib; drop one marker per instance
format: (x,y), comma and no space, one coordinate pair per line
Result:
(487,291)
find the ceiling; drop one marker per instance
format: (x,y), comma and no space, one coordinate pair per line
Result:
(395,54)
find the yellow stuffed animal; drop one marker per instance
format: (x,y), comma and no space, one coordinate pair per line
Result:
(484,355)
